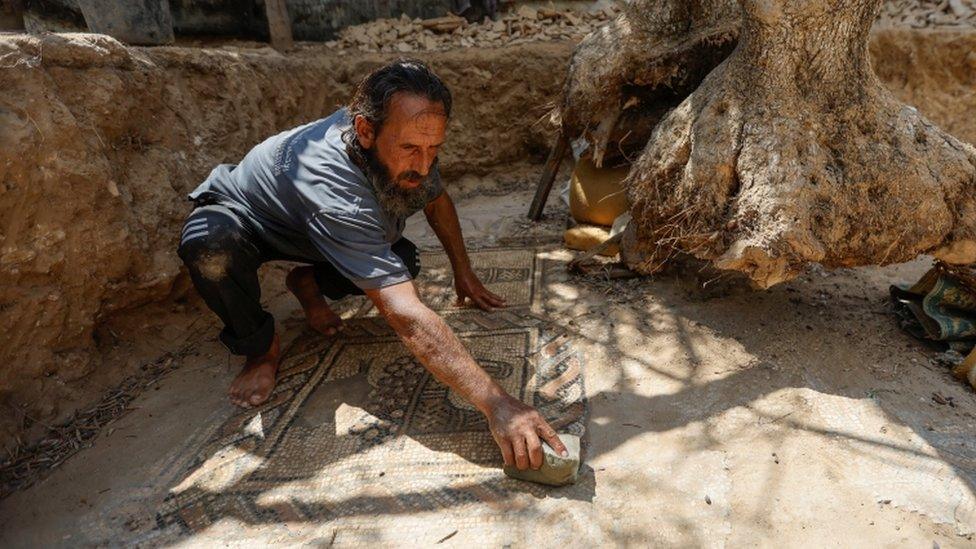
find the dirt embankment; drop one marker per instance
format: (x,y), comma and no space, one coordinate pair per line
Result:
(99,144)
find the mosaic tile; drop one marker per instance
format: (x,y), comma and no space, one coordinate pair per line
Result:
(358,432)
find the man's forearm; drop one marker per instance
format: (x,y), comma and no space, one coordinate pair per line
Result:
(515,426)
(442,217)
(431,340)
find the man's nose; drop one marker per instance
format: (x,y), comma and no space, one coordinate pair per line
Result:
(424,161)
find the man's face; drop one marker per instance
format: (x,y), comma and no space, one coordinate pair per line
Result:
(409,140)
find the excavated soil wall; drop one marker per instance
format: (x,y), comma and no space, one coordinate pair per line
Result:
(99,144)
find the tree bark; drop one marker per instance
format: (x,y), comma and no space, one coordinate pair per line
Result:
(791,151)
(626,76)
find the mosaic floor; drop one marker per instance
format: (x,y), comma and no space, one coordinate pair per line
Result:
(716,421)
(358,435)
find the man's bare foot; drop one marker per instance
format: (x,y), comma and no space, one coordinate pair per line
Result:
(253,386)
(301,282)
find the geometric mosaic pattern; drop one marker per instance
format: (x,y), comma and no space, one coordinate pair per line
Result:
(358,433)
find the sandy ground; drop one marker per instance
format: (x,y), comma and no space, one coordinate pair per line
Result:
(718,417)
(102,142)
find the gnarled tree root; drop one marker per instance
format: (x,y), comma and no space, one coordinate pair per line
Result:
(792,152)
(626,76)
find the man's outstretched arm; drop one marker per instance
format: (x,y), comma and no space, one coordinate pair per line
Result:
(442,217)
(516,427)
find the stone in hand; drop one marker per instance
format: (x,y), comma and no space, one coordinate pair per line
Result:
(556,470)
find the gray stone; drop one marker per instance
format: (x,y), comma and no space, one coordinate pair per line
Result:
(142,22)
(556,470)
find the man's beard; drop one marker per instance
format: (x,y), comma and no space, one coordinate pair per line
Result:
(395,199)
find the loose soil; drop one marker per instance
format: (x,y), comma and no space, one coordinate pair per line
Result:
(718,416)
(101,142)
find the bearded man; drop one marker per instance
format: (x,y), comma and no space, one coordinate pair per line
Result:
(334,195)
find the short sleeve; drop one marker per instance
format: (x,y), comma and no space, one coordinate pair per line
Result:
(357,247)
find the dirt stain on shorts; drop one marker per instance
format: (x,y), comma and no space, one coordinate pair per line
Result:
(214,266)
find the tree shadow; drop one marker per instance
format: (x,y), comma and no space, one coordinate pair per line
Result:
(842,349)
(829,333)
(397,436)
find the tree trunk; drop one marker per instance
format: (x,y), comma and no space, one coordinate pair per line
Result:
(279,24)
(626,76)
(792,152)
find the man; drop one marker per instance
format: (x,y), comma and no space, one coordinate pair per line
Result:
(334,194)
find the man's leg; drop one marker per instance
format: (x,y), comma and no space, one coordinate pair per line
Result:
(311,284)
(321,317)
(223,257)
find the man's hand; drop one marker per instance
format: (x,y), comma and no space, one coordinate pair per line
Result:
(444,220)
(518,429)
(467,286)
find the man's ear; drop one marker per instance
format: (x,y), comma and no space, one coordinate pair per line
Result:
(364,131)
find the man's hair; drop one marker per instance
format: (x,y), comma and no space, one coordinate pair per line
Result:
(374,92)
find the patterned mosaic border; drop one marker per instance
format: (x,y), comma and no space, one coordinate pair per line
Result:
(436,446)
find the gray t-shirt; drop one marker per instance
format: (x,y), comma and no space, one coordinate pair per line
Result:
(308,200)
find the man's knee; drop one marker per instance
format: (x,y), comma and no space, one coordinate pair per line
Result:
(209,245)
(190,250)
